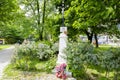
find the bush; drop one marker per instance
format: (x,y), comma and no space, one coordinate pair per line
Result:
(83,56)
(25,55)
(110,61)
(76,57)
(44,51)
(55,48)
(49,65)
(28,55)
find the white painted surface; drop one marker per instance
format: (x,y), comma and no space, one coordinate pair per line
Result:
(62,45)
(63,29)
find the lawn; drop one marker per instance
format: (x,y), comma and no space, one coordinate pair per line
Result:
(4,46)
(13,73)
(17,74)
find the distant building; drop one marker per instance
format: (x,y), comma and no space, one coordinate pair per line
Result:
(2,41)
(102,39)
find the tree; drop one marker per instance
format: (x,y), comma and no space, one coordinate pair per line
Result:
(59,4)
(9,13)
(36,11)
(91,16)
(7,10)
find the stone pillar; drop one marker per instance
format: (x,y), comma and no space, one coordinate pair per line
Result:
(62,45)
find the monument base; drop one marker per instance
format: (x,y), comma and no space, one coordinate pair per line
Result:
(69,74)
(61,59)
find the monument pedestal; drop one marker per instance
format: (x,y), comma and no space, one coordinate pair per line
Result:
(62,45)
(62,56)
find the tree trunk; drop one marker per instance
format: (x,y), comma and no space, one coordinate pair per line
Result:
(89,35)
(38,22)
(90,38)
(96,40)
(43,18)
(44,7)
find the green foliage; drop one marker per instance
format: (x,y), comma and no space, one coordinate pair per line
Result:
(28,55)
(90,13)
(98,16)
(39,19)
(109,60)
(24,54)
(12,35)
(55,48)
(76,57)
(45,42)
(49,65)
(7,10)
(46,66)
(83,56)
(44,51)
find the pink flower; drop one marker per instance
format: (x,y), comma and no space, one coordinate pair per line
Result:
(61,71)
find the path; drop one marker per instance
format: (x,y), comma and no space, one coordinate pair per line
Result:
(5,57)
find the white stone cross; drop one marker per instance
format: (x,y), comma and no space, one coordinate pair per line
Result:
(62,45)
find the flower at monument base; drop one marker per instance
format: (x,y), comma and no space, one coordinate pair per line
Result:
(60,71)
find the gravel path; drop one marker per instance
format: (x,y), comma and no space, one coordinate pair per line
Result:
(5,57)
(52,77)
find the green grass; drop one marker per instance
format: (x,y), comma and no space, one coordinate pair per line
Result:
(42,68)
(17,74)
(4,46)
(103,48)
(107,46)
(100,75)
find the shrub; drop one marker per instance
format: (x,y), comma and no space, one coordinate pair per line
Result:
(110,61)
(24,55)
(44,51)
(55,48)
(28,55)
(49,65)
(83,56)
(76,57)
